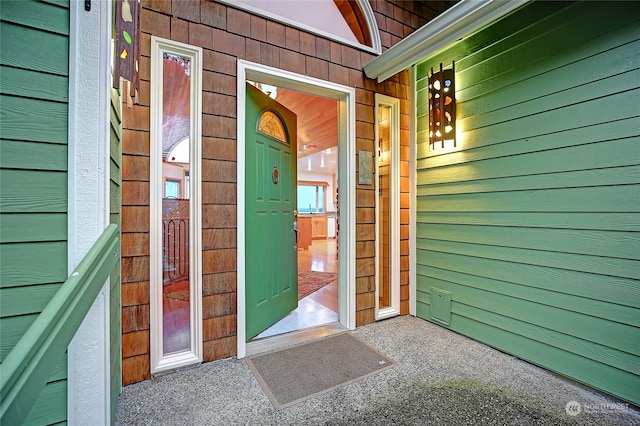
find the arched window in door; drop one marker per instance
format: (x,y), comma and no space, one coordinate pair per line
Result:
(271,125)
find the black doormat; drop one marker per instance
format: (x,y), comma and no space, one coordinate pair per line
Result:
(291,375)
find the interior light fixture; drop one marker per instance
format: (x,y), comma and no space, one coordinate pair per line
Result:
(271,91)
(442,106)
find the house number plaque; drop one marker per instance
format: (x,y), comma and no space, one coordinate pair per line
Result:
(365,168)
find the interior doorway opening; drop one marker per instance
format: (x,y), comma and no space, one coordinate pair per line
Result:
(343,99)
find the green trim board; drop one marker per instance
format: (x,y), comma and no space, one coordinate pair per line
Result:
(532,223)
(115,302)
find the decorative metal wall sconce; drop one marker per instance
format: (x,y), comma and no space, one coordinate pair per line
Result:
(442,106)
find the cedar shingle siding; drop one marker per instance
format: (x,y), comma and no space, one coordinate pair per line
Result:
(226,34)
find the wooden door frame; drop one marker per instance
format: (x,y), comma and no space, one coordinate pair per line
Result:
(346,174)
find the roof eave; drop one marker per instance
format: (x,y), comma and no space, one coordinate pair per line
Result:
(460,21)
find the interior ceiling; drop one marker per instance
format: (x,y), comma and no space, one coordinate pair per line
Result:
(317,129)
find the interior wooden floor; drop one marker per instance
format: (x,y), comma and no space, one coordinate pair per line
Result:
(321,257)
(320,307)
(175,310)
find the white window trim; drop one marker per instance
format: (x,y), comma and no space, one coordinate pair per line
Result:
(369,16)
(346,97)
(160,362)
(394,209)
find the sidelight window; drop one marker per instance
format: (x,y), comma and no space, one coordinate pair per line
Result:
(175,220)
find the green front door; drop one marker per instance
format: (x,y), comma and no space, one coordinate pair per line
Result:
(271,267)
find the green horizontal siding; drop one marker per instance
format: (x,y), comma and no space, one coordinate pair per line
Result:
(51,405)
(33,155)
(33,263)
(624,198)
(614,290)
(627,222)
(18,227)
(33,49)
(605,244)
(532,223)
(547,295)
(602,335)
(599,110)
(33,191)
(38,15)
(33,84)
(34,94)
(595,264)
(26,300)
(33,120)
(12,329)
(624,127)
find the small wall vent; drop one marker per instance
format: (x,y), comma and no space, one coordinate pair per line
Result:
(441,306)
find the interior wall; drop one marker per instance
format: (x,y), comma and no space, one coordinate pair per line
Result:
(227,34)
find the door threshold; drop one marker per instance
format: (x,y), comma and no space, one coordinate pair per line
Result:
(293,338)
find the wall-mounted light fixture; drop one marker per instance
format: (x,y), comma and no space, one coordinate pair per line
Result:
(442,106)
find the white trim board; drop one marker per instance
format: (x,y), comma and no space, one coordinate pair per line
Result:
(346,176)
(88,362)
(458,22)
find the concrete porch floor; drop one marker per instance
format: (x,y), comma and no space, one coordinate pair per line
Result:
(441,378)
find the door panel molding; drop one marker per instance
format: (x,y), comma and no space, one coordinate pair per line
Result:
(346,175)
